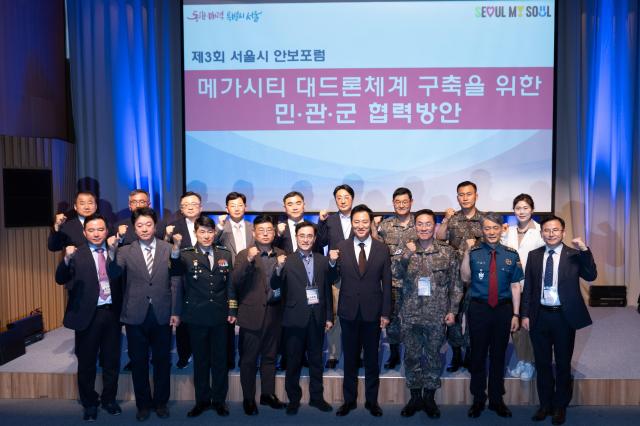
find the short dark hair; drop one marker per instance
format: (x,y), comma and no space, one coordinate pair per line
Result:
(493,217)
(428,212)
(204,221)
(362,208)
(467,183)
(523,197)
(144,211)
(95,216)
(551,217)
(190,194)
(139,191)
(292,194)
(304,224)
(346,188)
(263,218)
(234,196)
(85,192)
(402,191)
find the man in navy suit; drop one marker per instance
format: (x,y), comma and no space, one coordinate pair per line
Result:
(125,234)
(364,308)
(553,309)
(69,231)
(305,280)
(332,229)
(93,311)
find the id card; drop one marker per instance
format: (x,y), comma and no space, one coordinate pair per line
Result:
(105,290)
(276,293)
(312,296)
(550,296)
(424,286)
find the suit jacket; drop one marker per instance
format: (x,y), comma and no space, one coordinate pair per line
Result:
(574,264)
(162,287)
(253,285)
(209,294)
(80,278)
(330,231)
(285,244)
(182,229)
(369,293)
(225,237)
(71,233)
(130,236)
(293,282)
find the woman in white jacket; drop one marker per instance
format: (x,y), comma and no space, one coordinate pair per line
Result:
(524,237)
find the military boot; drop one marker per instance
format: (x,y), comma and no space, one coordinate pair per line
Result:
(394,356)
(430,406)
(415,404)
(456,360)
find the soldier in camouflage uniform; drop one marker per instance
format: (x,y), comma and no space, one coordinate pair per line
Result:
(396,231)
(431,292)
(457,228)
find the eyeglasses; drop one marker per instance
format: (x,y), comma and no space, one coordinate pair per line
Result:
(402,203)
(552,231)
(138,202)
(186,205)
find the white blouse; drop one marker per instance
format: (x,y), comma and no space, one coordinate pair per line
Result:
(530,241)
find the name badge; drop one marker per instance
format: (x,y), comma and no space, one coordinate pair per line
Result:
(550,296)
(105,289)
(424,286)
(312,296)
(276,293)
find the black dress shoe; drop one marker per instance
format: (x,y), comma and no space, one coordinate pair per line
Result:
(90,414)
(500,408)
(559,416)
(162,411)
(221,409)
(272,401)
(541,414)
(321,405)
(142,414)
(373,408)
(475,410)
(198,409)
(331,364)
(250,407)
(292,408)
(182,363)
(112,408)
(346,408)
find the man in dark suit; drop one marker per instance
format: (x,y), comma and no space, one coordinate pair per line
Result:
(190,209)
(69,231)
(552,310)
(93,311)
(305,280)
(259,315)
(294,208)
(236,234)
(332,229)
(151,307)
(209,307)
(364,308)
(125,233)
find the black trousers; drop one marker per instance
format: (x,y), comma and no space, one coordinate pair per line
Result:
(183,342)
(263,343)
(209,344)
(231,343)
(140,338)
(360,335)
(101,339)
(489,330)
(298,340)
(552,334)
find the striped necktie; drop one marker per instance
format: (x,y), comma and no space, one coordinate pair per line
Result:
(149,259)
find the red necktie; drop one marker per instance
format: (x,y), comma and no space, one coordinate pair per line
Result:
(493,281)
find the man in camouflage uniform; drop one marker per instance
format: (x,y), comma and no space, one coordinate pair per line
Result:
(431,292)
(396,231)
(457,228)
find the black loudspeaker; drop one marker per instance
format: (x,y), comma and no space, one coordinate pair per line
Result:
(30,328)
(28,197)
(11,346)
(608,295)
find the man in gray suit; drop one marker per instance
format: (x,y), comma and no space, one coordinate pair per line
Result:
(150,308)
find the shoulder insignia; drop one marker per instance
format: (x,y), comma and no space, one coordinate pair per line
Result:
(476,247)
(222,248)
(512,250)
(188,249)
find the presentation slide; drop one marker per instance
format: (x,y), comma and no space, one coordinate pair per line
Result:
(309,95)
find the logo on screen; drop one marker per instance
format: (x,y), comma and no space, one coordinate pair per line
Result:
(540,11)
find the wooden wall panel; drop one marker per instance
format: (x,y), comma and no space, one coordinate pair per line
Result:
(26,266)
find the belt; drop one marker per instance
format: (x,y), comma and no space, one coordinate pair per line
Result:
(551,308)
(486,302)
(107,306)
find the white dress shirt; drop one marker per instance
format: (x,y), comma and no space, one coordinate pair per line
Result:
(345,221)
(552,298)
(367,246)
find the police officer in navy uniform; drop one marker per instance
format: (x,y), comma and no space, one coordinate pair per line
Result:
(209,306)
(494,272)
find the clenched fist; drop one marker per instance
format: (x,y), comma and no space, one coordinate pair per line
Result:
(169,230)
(323,215)
(334,255)
(122,229)
(69,252)
(58,221)
(411,246)
(281,259)
(281,227)
(252,253)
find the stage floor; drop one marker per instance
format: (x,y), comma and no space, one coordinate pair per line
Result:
(606,367)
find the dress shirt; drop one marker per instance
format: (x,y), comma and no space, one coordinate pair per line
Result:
(239,235)
(367,247)
(192,231)
(345,221)
(307,261)
(556,264)
(95,254)
(292,232)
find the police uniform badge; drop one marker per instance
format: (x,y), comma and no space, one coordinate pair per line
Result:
(508,261)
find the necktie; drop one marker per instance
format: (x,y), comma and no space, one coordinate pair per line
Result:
(493,281)
(149,260)
(548,270)
(237,235)
(102,272)
(209,254)
(362,259)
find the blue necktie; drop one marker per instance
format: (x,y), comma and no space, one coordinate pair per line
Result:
(548,270)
